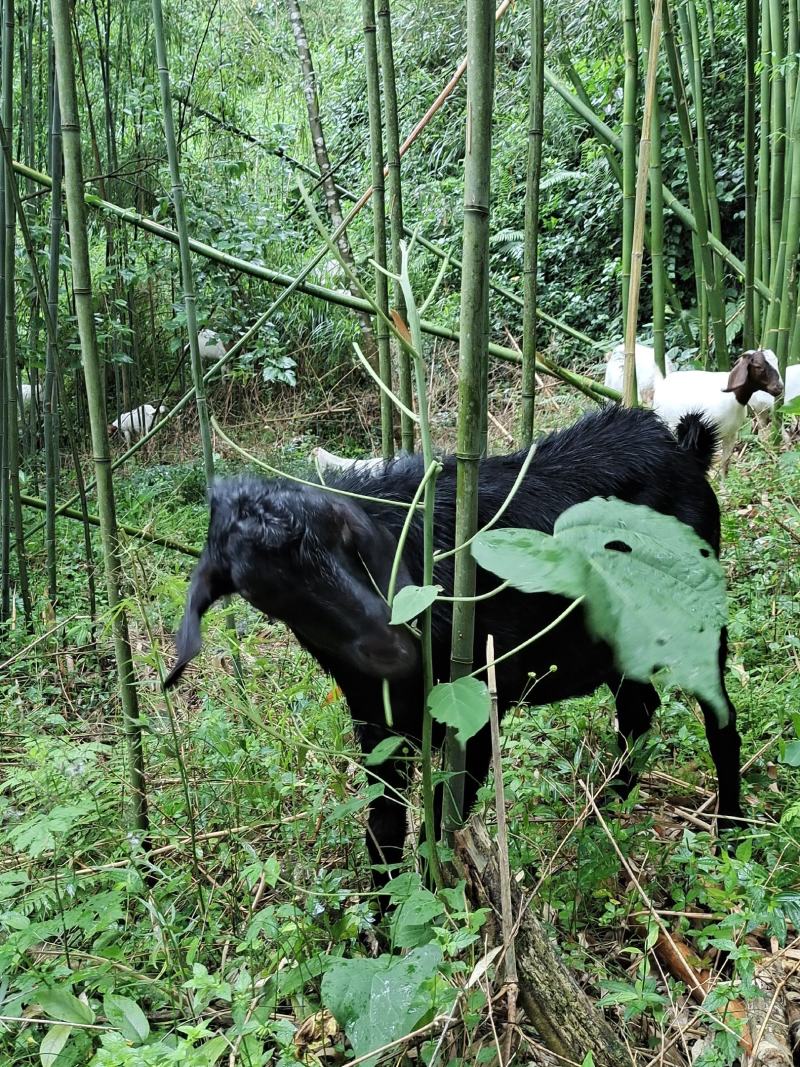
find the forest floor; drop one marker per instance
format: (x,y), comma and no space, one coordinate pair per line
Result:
(210,947)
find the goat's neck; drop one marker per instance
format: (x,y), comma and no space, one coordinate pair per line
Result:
(744,392)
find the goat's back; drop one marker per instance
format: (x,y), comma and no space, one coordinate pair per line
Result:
(616,452)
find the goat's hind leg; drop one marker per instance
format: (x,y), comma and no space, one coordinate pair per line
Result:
(636,702)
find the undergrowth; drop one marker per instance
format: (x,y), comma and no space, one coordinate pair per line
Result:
(211,941)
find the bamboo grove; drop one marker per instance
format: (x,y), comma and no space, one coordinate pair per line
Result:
(101,292)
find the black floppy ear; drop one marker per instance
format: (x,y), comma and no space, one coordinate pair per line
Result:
(207,585)
(738,376)
(374,544)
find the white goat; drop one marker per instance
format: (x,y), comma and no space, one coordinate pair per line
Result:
(328,461)
(210,344)
(27,392)
(135,423)
(647,373)
(720,396)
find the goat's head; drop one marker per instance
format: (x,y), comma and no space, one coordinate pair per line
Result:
(753,371)
(312,559)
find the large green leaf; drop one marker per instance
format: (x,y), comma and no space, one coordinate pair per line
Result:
(64,1006)
(654,591)
(463,704)
(53,1042)
(381,1000)
(127,1016)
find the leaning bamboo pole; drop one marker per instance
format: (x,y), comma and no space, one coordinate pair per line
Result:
(82,288)
(331,296)
(472,392)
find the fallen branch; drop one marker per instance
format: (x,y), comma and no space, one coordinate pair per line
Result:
(569,1023)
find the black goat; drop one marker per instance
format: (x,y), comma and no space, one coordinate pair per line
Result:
(314,560)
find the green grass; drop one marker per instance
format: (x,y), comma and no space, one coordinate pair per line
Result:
(257,878)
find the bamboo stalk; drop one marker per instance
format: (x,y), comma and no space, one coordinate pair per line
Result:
(50,387)
(187,275)
(10,316)
(73,181)
(402,360)
(777,129)
(751,46)
(472,394)
(762,196)
(629,95)
(659,277)
(378,222)
(696,198)
(532,180)
(629,396)
(681,212)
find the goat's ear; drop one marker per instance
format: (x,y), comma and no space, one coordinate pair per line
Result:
(738,376)
(374,544)
(206,587)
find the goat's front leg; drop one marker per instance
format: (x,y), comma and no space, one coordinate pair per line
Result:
(636,702)
(387,823)
(725,745)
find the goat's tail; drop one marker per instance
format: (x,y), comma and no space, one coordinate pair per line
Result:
(208,585)
(698,437)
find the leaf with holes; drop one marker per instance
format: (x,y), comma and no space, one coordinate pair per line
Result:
(654,590)
(463,704)
(411,601)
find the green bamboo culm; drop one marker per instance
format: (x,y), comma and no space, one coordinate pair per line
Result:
(777,129)
(658,272)
(629,396)
(751,45)
(788,302)
(629,93)
(532,182)
(379,221)
(697,198)
(762,250)
(50,383)
(187,275)
(707,179)
(474,336)
(82,290)
(9,274)
(395,191)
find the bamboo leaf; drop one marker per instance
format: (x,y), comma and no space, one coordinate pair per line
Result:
(411,601)
(463,704)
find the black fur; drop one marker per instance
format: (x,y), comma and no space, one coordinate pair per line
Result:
(302,555)
(699,437)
